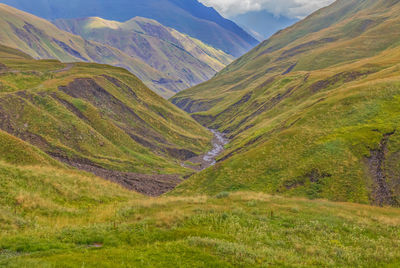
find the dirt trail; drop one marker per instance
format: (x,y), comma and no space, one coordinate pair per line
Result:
(209,159)
(67,68)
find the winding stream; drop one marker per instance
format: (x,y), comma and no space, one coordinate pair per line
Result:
(209,159)
(218,142)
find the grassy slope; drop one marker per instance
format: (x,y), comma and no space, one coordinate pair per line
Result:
(16,151)
(312,129)
(51,217)
(185,59)
(119,124)
(42,40)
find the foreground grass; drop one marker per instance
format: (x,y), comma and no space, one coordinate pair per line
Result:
(240,229)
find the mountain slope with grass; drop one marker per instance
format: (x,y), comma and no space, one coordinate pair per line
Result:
(186,59)
(42,40)
(57,217)
(51,215)
(312,111)
(65,125)
(97,118)
(189,17)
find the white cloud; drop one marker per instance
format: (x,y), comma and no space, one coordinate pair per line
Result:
(288,8)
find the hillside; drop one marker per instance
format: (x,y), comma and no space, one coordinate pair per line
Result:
(90,156)
(52,217)
(97,118)
(189,17)
(312,111)
(187,60)
(42,40)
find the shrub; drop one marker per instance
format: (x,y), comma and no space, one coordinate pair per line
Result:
(222,195)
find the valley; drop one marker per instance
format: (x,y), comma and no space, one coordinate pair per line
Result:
(135,137)
(98,118)
(315,97)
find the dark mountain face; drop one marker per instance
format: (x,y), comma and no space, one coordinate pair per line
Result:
(263,22)
(187,16)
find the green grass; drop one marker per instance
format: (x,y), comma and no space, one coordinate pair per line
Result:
(51,216)
(308,141)
(99,128)
(78,222)
(15,151)
(309,132)
(335,137)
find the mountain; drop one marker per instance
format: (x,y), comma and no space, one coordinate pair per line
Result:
(52,215)
(97,118)
(186,16)
(312,111)
(42,40)
(253,33)
(187,60)
(262,24)
(63,126)
(169,63)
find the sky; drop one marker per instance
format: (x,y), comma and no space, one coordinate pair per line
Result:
(287,8)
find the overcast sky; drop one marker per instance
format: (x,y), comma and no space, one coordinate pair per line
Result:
(288,8)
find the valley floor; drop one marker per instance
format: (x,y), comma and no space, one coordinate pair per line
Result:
(241,229)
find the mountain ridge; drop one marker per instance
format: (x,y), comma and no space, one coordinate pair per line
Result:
(41,39)
(189,17)
(164,49)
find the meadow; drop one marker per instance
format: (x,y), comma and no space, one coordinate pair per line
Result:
(71,219)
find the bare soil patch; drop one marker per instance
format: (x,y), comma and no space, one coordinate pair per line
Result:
(148,184)
(382,194)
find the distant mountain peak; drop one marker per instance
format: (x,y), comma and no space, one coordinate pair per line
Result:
(163,58)
(185,61)
(187,16)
